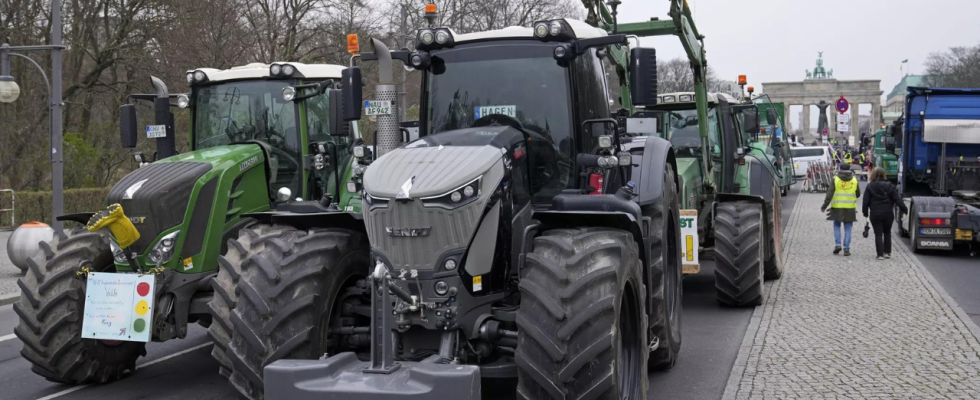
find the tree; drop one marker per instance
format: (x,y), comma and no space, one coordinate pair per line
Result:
(676,75)
(957,68)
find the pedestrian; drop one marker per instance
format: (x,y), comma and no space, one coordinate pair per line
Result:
(842,199)
(880,200)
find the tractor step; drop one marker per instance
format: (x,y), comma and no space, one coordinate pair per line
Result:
(342,377)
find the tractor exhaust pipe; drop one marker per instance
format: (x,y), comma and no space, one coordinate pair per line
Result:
(167,145)
(389,135)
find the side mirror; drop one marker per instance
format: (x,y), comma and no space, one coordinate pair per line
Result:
(127,125)
(751,121)
(351,98)
(643,76)
(771,117)
(889,142)
(338,124)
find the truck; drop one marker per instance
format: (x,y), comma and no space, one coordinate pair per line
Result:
(262,137)
(881,157)
(939,171)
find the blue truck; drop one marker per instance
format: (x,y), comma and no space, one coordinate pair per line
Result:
(939,170)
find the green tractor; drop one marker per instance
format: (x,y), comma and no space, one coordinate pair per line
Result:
(732,184)
(887,160)
(773,141)
(262,136)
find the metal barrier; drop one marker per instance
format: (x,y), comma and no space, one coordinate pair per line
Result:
(10,210)
(819,177)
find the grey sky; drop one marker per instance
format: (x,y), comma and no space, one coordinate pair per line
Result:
(777,40)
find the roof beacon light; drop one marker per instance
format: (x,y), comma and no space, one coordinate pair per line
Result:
(751,90)
(742,80)
(353,46)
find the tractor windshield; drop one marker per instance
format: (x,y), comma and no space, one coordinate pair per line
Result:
(682,131)
(249,110)
(505,83)
(240,111)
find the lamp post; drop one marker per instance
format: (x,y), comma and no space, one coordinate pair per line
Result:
(10,91)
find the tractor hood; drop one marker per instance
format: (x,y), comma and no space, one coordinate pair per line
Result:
(221,157)
(436,164)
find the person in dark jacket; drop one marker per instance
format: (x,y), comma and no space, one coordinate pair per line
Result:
(842,199)
(880,200)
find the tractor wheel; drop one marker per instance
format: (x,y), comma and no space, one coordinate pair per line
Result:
(229,270)
(581,325)
(286,293)
(774,265)
(50,308)
(738,254)
(667,286)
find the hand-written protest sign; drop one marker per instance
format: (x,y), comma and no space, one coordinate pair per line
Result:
(118,307)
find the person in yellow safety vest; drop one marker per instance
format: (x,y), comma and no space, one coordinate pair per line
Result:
(842,199)
(848,158)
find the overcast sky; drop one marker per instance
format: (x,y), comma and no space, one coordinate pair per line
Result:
(778,40)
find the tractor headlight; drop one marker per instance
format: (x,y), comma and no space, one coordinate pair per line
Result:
(605,142)
(199,76)
(541,30)
(359,151)
(288,93)
(625,159)
(163,251)
(457,197)
(275,69)
(426,36)
(288,69)
(608,161)
(429,39)
(183,101)
(554,28)
(283,194)
(117,253)
(442,37)
(190,78)
(353,187)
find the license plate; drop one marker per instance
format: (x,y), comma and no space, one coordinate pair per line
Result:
(377,107)
(964,234)
(156,131)
(935,231)
(118,307)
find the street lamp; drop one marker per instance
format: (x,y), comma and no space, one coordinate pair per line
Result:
(10,91)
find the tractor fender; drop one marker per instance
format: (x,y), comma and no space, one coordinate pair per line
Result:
(648,173)
(761,180)
(585,218)
(307,221)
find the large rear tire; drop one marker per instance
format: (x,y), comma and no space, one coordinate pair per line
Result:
(667,291)
(581,326)
(289,283)
(50,308)
(774,264)
(738,254)
(229,271)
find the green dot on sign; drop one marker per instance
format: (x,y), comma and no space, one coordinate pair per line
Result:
(139,325)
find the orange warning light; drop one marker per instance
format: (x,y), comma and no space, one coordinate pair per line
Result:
(742,79)
(353,46)
(751,89)
(430,8)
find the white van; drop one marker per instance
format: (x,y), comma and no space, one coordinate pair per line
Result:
(803,156)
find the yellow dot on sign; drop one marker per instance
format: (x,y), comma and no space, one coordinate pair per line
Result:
(142,307)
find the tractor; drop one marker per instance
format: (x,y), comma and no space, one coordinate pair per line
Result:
(733,186)
(528,233)
(773,140)
(262,136)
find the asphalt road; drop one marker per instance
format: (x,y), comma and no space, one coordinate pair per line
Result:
(184,369)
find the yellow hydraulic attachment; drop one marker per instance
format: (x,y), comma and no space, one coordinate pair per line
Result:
(121,227)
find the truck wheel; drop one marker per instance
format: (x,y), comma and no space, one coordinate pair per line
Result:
(913,230)
(667,286)
(738,254)
(229,270)
(286,294)
(774,264)
(902,230)
(50,308)
(581,325)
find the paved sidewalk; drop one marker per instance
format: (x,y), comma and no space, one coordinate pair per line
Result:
(839,327)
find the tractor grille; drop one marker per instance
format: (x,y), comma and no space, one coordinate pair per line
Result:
(448,230)
(161,201)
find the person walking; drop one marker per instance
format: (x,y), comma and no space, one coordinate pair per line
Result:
(842,199)
(880,200)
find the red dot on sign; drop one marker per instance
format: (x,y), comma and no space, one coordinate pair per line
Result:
(143,289)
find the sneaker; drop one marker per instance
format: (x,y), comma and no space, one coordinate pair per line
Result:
(880,258)
(836,249)
(847,252)
(888,255)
